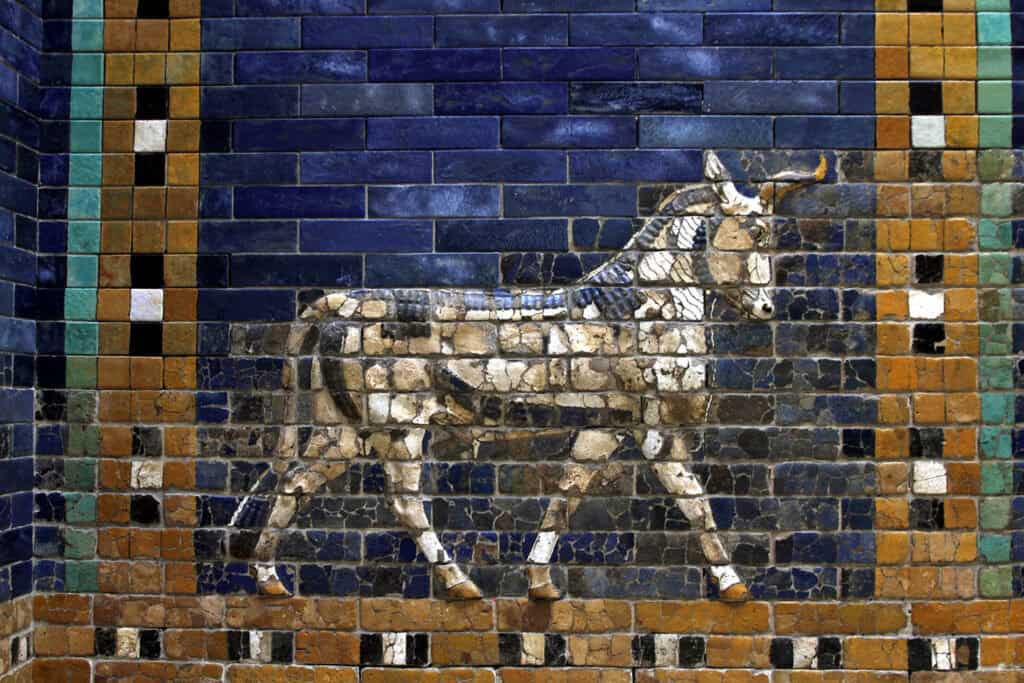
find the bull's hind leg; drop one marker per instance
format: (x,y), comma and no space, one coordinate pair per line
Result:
(538,569)
(691,499)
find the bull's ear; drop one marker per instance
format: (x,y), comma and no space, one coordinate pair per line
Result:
(714,169)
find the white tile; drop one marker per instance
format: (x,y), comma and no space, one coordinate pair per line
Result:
(805,653)
(926,305)
(666,649)
(147,474)
(128,642)
(928,131)
(943,650)
(150,135)
(930,477)
(394,649)
(147,305)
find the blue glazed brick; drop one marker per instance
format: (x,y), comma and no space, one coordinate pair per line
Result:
(830,201)
(233,236)
(215,202)
(825,62)
(258,8)
(250,34)
(848,132)
(493,30)
(299,202)
(249,270)
(629,166)
(569,200)
(246,304)
(465,64)
(366,167)
(857,97)
(300,67)
(411,201)
(503,235)
(635,29)
(366,236)
(771,29)
(432,6)
(825,5)
(771,97)
(407,270)
(568,5)
(298,134)
(857,29)
(674,63)
(498,166)
(635,98)
(376,99)
(568,131)
(248,169)
(217,68)
(703,5)
(577,64)
(251,101)
(705,131)
(432,133)
(501,98)
(367,32)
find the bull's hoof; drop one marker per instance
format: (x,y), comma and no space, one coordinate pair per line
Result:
(467,590)
(737,592)
(542,588)
(268,582)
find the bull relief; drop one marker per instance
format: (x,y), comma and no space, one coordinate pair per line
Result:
(608,370)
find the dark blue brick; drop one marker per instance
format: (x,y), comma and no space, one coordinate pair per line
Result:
(503,235)
(432,133)
(771,29)
(829,201)
(501,30)
(857,97)
(366,167)
(217,68)
(432,6)
(501,98)
(568,5)
(815,132)
(825,5)
(825,62)
(299,202)
(673,63)
(705,131)
(576,64)
(771,97)
(250,34)
(298,135)
(570,200)
(366,236)
(248,169)
(249,270)
(568,131)
(635,29)
(857,29)
(370,99)
(635,98)
(498,166)
(405,270)
(466,64)
(246,304)
(259,8)
(411,201)
(367,32)
(630,166)
(249,101)
(300,67)
(703,5)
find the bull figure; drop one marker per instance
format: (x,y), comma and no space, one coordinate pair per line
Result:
(373,369)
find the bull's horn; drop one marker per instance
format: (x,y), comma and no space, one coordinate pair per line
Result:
(815,176)
(734,202)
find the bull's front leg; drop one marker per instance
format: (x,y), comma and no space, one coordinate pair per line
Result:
(671,455)
(553,524)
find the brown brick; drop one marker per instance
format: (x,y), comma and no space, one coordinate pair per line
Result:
(702,617)
(390,614)
(62,609)
(875,653)
(61,670)
(423,676)
(294,613)
(798,618)
(978,616)
(465,649)
(739,651)
(600,650)
(565,616)
(326,647)
(545,675)
(700,676)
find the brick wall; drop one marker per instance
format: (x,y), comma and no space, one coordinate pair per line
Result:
(306,265)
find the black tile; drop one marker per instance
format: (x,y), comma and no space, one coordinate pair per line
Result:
(105,641)
(925,165)
(215,136)
(643,651)
(282,648)
(781,653)
(147,271)
(50,372)
(212,270)
(926,97)
(925,5)
(967,653)
(371,649)
(238,646)
(926,514)
(149,168)
(929,338)
(919,654)
(927,442)
(691,651)
(145,509)
(149,644)
(510,649)
(928,268)
(554,650)
(417,649)
(153,9)
(830,653)
(146,339)
(151,102)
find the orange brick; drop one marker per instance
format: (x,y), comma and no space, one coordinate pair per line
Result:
(702,617)
(875,653)
(811,619)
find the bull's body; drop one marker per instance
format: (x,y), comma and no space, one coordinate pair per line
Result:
(614,362)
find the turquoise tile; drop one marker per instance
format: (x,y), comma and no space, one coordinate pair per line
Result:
(997,199)
(86,136)
(82,270)
(997,409)
(87,102)
(83,202)
(996,442)
(996,374)
(87,9)
(994,269)
(81,338)
(995,97)
(994,548)
(87,35)
(994,28)
(995,235)
(79,304)
(79,507)
(83,237)
(87,69)
(992,5)
(995,131)
(86,169)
